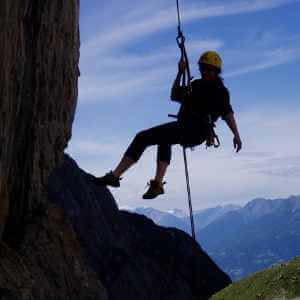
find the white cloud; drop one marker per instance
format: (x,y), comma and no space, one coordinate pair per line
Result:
(131,74)
(93,147)
(267,166)
(106,62)
(116,87)
(143,22)
(232,8)
(135,75)
(196,47)
(267,59)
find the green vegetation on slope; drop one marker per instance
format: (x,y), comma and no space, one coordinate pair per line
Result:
(280,282)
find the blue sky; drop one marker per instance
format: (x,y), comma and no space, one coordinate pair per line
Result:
(128,63)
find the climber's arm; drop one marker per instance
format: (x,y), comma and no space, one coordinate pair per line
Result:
(177,91)
(230,121)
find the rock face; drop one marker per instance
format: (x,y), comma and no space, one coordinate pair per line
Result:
(39,56)
(132,255)
(48,264)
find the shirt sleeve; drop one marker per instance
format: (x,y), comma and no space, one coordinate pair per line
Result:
(225,107)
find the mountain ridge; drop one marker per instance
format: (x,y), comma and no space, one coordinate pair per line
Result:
(262,233)
(181,220)
(247,239)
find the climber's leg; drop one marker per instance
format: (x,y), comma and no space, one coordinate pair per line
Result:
(165,134)
(156,185)
(125,163)
(161,169)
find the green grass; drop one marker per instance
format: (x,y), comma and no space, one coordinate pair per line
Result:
(280,282)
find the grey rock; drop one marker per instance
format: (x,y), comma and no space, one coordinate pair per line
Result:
(132,255)
(39,57)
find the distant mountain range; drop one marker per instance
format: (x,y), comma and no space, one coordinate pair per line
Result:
(179,219)
(167,219)
(242,240)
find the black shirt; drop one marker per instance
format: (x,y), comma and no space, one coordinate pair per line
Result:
(207,98)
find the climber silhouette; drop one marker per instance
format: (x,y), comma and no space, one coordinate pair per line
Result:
(207,97)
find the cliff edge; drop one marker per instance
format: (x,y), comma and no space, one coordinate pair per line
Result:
(132,255)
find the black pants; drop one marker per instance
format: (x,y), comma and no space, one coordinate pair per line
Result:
(187,133)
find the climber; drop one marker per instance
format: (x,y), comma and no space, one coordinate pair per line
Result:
(208,96)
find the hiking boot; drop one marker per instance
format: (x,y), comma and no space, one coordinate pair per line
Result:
(155,189)
(109,179)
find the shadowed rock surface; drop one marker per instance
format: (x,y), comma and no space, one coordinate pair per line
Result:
(40,257)
(48,264)
(39,57)
(132,255)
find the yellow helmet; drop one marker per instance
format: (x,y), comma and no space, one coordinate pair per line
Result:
(211,58)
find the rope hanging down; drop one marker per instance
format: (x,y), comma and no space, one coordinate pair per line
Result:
(186,82)
(186,78)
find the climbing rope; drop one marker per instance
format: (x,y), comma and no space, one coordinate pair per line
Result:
(178,14)
(189,193)
(180,39)
(186,82)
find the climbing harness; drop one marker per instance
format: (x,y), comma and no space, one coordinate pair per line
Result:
(213,139)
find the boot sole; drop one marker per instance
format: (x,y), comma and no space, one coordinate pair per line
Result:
(152,197)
